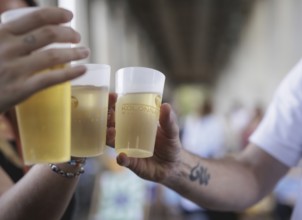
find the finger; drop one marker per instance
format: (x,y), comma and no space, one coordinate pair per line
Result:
(123,160)
(38,18)
(111,110)
(44,36)
(111,118)
(168,121)
(112,100)
(38,82)
(11,115)
(43,80)
(50,58)
(110,137)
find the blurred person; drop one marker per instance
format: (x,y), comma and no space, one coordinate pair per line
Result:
(203,132)
(236,120)
(237,182)
(45,191)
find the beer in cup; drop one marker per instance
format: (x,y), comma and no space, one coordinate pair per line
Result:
(137,110)
(89,110)
(44,118)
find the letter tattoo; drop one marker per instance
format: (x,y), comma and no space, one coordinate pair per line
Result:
(201,174)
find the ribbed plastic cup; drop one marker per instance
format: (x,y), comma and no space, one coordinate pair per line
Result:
(89,110)
(44,118)
(140,91)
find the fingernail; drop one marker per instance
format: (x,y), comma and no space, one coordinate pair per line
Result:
(68,14)
(118,160)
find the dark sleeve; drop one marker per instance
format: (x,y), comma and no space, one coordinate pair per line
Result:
(68,215)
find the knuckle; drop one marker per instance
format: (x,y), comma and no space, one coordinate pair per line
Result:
(11,42)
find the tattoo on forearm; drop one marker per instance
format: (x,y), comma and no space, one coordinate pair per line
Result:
(200,173)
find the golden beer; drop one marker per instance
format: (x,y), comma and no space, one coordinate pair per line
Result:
(89,109)
(137,117)
(44,125)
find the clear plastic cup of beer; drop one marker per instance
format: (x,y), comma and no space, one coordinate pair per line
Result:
(137,110)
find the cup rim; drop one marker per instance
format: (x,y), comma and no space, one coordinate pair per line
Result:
(139,79)
(94,69)
(139,68)
(92,66)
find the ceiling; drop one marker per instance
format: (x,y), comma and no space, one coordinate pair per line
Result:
(193,38)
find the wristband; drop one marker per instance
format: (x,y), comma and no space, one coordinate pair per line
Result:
(75,162)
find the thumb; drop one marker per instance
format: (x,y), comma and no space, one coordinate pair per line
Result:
(168,122)
(123,160)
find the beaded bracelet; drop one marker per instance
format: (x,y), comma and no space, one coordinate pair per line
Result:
(77,162)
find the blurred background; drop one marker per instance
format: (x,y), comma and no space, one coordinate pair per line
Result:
(223,60)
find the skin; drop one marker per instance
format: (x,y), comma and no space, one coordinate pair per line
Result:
(11,4)
(41,190)
(18,63)
(228,184)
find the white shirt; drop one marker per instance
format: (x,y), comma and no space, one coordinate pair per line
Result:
(280,132)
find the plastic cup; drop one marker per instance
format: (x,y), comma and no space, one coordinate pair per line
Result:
(89,110)
(137,110)
(44,118)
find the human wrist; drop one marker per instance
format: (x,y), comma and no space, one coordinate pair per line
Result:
(176,173)
(179,177)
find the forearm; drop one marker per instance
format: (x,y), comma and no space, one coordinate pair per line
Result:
(40,194)
(224,184)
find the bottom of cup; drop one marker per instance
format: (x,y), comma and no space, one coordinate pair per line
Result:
(87,155)
(137,153)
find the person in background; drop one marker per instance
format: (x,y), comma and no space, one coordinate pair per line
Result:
(44,192)
(203,132)
(231,183)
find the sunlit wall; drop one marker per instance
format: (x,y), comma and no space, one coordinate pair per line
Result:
(270,46)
